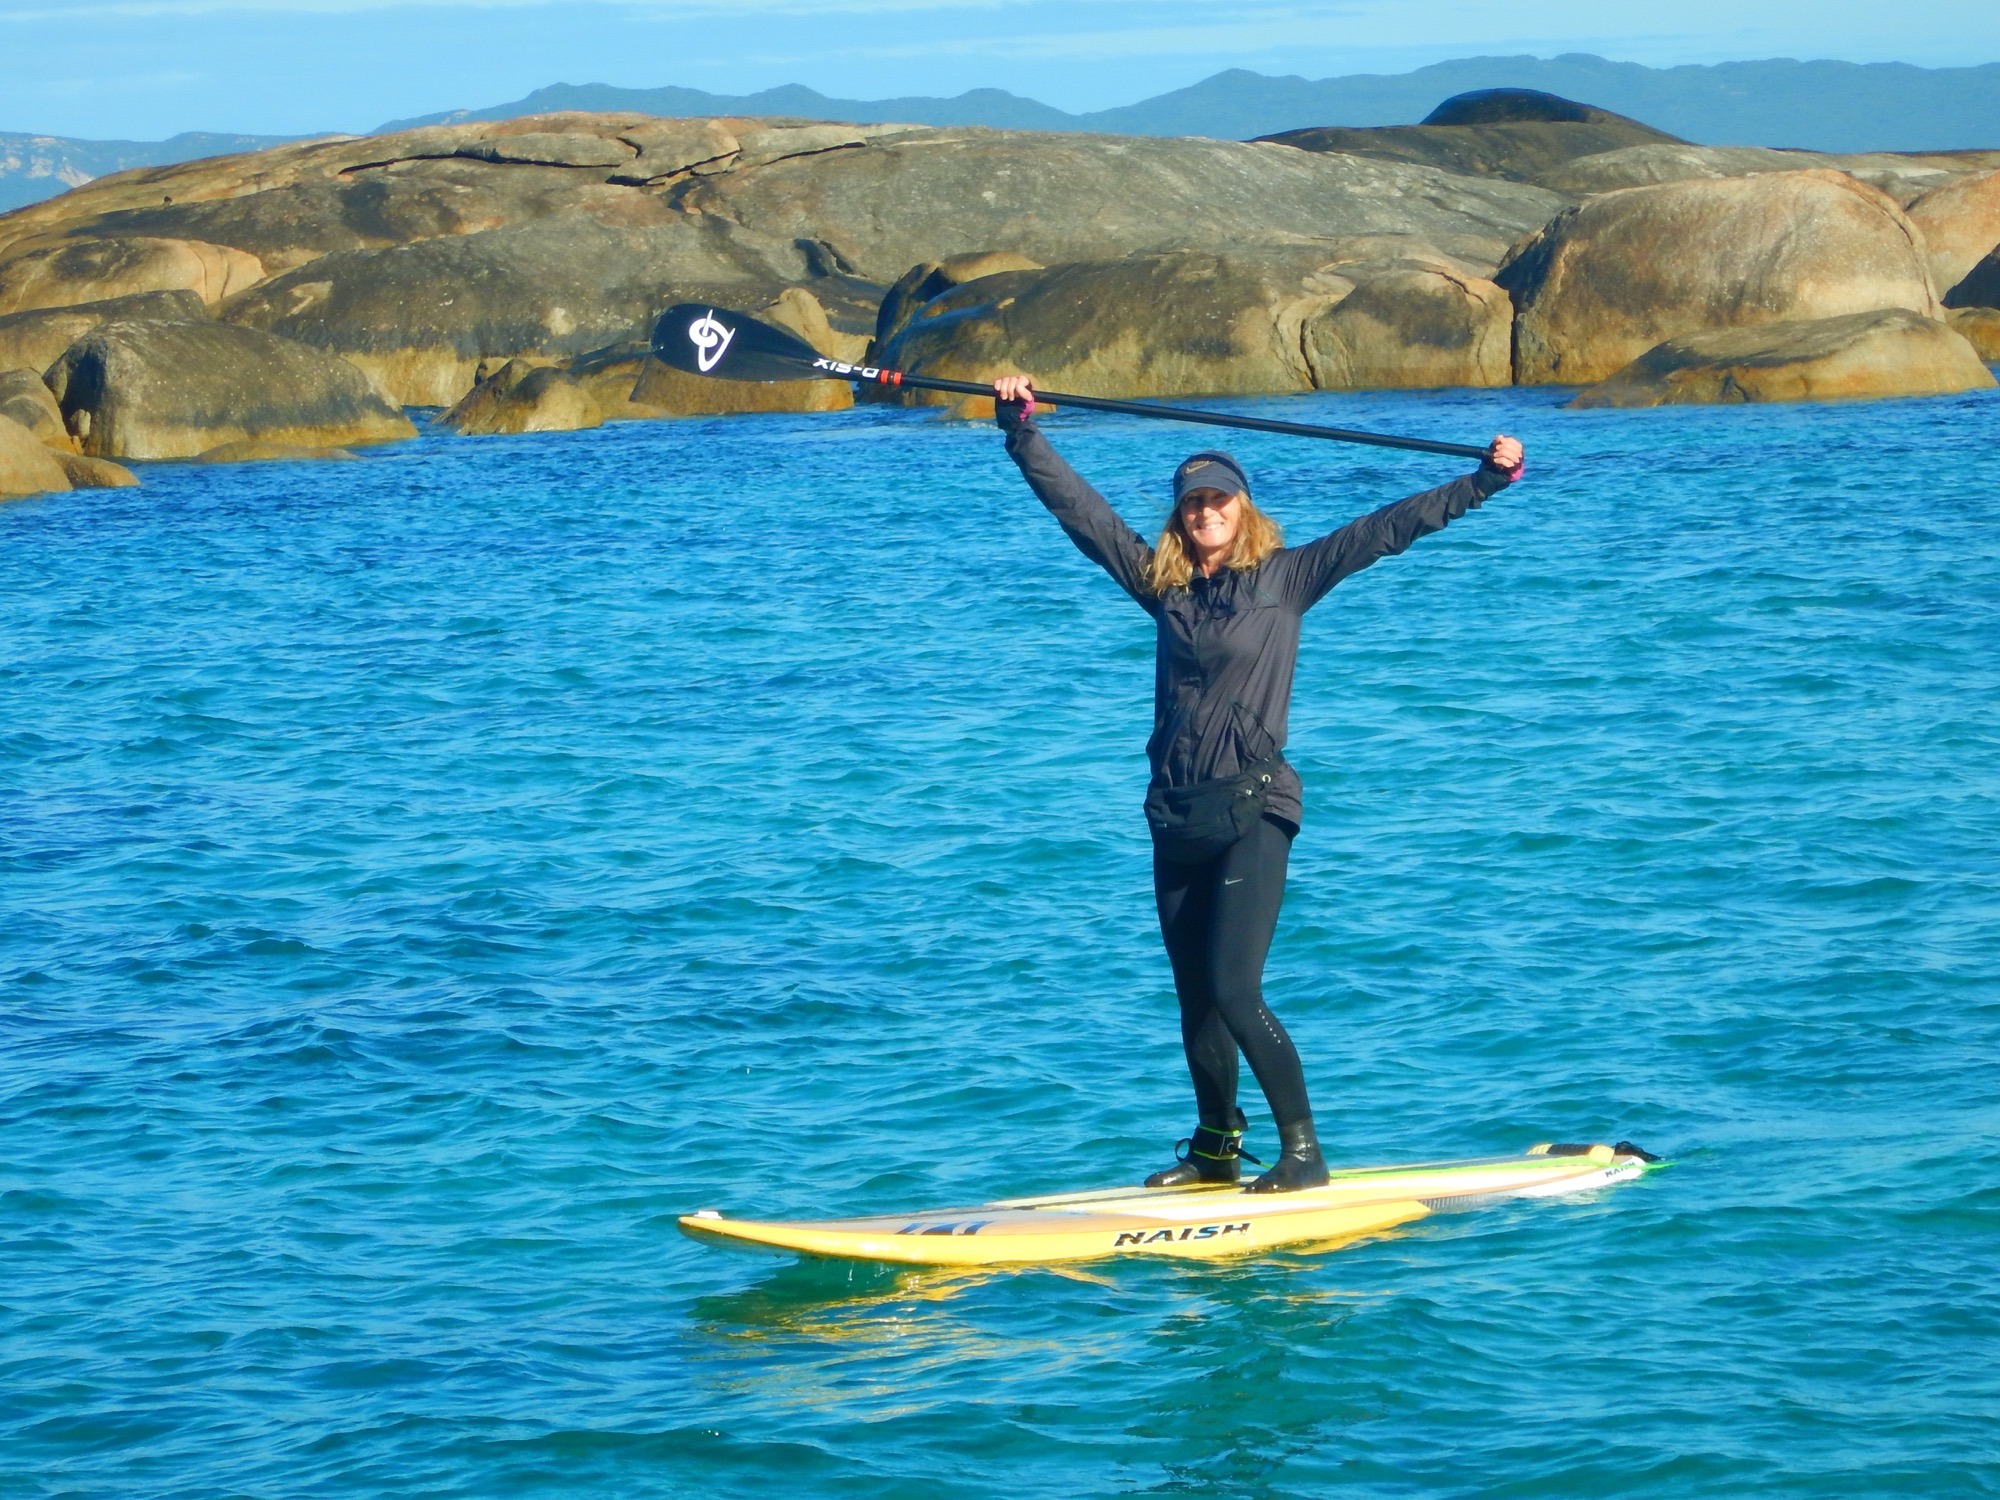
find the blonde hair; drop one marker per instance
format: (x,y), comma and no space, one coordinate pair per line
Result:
(1172,567)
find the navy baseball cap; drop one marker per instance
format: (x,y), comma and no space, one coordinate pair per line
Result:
(1211,470)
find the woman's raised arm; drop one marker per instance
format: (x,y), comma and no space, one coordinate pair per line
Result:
(1305,573)
(1098,531)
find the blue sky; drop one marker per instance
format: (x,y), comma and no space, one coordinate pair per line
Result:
(141,69)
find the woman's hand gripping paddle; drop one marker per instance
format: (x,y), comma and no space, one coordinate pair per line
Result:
(725,345)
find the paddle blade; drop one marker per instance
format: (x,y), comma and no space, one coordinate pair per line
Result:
(713,341)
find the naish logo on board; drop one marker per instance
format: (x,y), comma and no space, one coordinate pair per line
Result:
(1165,1236)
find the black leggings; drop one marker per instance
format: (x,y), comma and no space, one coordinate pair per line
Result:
(1217,919)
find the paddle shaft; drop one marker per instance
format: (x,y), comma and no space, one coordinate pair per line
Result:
(703,340)
(1187,414)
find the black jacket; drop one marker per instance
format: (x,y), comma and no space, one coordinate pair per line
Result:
(1227,645)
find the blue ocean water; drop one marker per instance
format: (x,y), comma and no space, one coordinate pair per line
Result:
(426,877)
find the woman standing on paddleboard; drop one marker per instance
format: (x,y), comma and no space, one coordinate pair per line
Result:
(1226,596)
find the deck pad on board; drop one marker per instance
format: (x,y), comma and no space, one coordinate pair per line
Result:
(1201,1222)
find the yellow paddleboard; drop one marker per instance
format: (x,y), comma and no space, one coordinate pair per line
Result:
(1200,1222)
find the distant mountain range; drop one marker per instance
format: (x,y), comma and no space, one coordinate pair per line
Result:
(34,167)
(1823,106)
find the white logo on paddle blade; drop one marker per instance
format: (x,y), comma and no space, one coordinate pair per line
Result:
(711,340)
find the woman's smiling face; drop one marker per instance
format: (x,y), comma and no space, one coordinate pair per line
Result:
(1210,519)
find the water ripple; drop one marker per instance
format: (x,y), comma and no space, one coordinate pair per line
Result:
(426,877)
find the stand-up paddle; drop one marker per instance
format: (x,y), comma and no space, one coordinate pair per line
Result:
(708,341)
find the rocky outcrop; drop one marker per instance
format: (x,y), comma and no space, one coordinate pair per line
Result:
(1981,286)
(424,254)
(26,400)
(431,257)
(877,197)
(253,451)
(1189,323)
(1509,106)
(611,375)
(1604,282)
(932,279)
(32,340)
(798,311)
(1370,314)
(1866,355)
(95,270)
(87,473)
(1655,162)
(293,204)
(552,148)
(933,195)
(1903,178)
(1518,134)
(623,382)
(420,319)
(524,397)
(1961,226)
(1517,153)
(777,142)
(665,391)
(1979,327)
(173,390)
(375,207)
(1412,324)
(26,467)
(668,148)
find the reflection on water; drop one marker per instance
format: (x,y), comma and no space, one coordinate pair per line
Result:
(874,1342)
(806,1287)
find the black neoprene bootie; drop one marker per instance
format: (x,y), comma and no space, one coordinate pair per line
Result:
(1299,1165)
(1214,1153)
